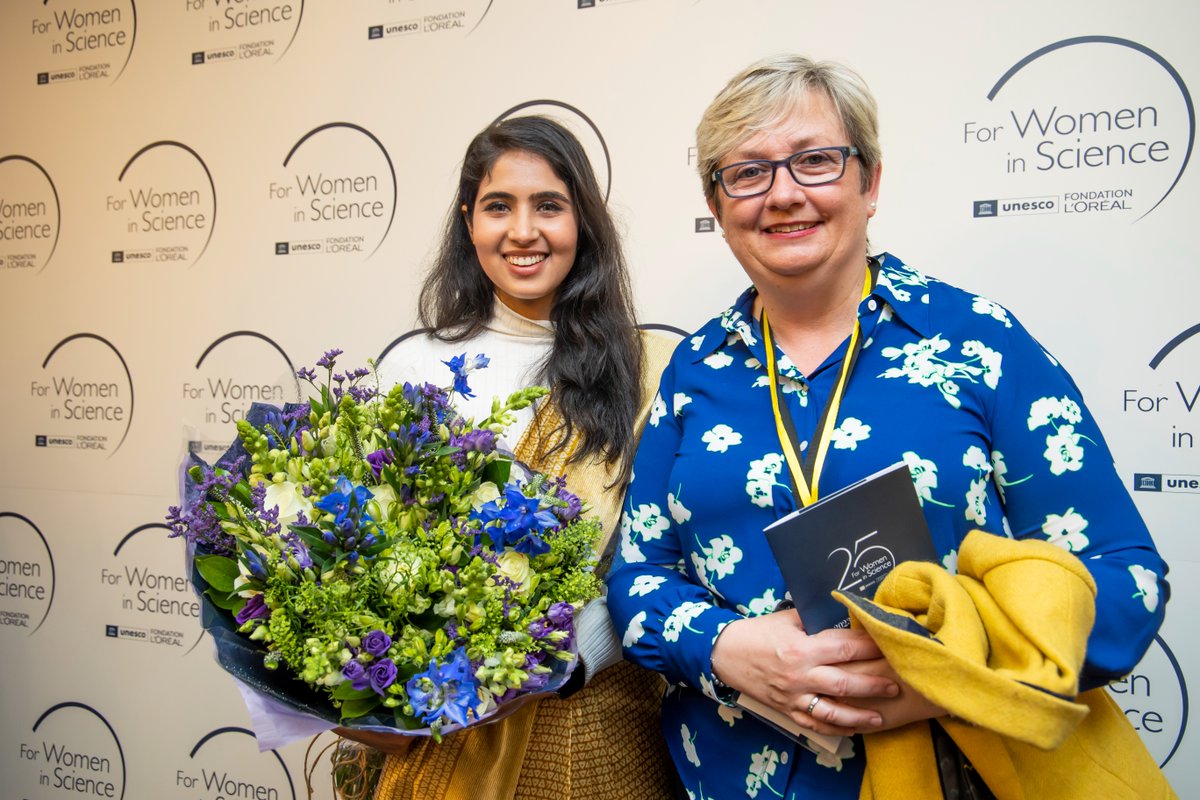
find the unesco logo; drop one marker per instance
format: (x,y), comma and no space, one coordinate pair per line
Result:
(984,208)
(705,224)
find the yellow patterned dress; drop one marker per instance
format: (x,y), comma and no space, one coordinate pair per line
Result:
(601,743)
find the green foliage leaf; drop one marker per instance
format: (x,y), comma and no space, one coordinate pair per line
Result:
(219,572)
(359,708)
(498,471)
(346,691)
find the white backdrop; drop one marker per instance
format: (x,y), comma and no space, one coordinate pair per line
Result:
(198,196)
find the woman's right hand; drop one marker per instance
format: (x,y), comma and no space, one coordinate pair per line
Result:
(772,659)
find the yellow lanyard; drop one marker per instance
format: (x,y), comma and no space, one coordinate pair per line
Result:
(806,484)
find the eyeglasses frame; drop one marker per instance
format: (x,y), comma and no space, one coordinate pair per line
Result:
(846,150)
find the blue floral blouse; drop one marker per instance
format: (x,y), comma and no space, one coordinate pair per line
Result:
(997,438)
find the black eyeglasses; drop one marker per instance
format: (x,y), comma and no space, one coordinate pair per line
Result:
(808,168)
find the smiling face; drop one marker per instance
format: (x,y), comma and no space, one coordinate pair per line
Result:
(796,231)
(525,232)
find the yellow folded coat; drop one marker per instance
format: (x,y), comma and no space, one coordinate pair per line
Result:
(1000,646)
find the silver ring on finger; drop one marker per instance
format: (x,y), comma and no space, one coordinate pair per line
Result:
(813,704)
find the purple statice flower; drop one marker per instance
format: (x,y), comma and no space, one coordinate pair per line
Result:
(358,374)
(362,394)
(329,359)
(201,526)
(378,460)
(446,692)
(376,643)
(382,674)
(255,608)
(307,374)
(517,522)
(356,673)
(295,412)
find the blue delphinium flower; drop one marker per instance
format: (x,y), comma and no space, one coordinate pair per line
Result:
(446,691)
(520,522)
(462,366)
(345,502)
(255,563)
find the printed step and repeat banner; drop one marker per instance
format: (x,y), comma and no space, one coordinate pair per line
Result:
(198,197)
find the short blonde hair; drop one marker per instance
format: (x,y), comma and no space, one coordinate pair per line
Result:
(765,92)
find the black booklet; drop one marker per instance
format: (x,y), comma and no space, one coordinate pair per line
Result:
(849,541)
(846,541)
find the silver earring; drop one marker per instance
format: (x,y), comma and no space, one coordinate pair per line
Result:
(872,204)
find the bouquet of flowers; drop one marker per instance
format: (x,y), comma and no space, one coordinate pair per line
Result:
(364,558)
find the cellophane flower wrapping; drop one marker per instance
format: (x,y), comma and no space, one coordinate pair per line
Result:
(370,559)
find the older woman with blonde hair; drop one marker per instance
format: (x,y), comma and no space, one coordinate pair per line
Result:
(832,366)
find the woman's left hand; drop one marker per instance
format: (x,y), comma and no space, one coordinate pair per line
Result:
(907,706)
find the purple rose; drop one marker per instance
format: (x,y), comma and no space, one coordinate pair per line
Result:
(382,674)
(255,608)
(376,643)
(356,673)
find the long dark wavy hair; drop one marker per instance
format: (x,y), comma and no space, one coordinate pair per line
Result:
(594,367)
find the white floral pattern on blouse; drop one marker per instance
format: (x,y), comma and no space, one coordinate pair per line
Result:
(996,436)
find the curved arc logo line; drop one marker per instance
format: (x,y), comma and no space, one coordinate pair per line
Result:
(132,40)
(1141,48)
(99,716)
(401,338)
(211,184)
(49,555)
(255,334)
(124,366)
(1184,700)
(1171,345)
(57,202)
(387,157)
(295,33)
(136,531)
(481,17)
(584,117)
(662,326)
(233,729)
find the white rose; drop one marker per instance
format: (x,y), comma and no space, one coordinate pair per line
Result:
(515,567)
(385,496)
(486,492)
(289,499)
